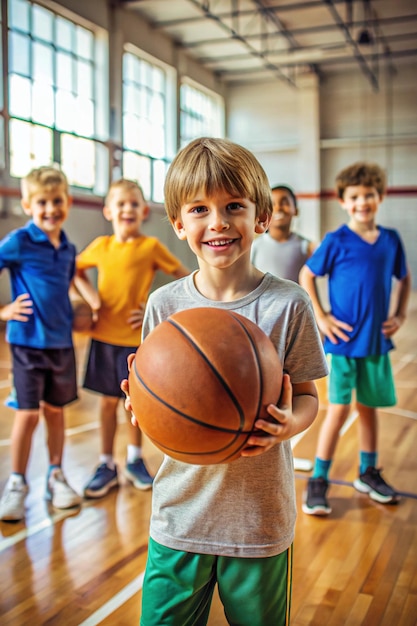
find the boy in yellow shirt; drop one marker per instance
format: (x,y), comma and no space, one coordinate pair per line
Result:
(126,263)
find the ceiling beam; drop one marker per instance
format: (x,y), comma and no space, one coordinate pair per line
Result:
(235,36)
(308,30)
(366,69)
(312,4)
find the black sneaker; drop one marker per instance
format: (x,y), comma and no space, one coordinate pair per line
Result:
(315,502)
(372,483)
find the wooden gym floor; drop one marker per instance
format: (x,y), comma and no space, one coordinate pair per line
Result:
(85,567)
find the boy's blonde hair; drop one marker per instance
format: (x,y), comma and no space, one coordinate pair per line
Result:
(124,183)
(361,173)
(40,178)
(207,165)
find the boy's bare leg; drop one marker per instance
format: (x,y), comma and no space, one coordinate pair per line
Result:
(54,418)
(108,422)
(368,428)
(25,423)
(329,433)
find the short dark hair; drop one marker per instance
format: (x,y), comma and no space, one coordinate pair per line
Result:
(288,190)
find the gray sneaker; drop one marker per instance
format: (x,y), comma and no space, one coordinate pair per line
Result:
(12,503)
(372,483)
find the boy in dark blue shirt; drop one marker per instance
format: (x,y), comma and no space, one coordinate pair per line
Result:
(41,262)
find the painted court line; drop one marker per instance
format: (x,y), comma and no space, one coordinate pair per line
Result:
(401,412)
(116,602)
(22,535)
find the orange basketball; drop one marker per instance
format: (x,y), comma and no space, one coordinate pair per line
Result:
(200,380)
(82,315)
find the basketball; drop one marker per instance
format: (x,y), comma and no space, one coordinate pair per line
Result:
(82,315)
(200,380)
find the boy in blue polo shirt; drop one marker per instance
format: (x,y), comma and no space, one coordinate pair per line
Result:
(360,260)
(41,262)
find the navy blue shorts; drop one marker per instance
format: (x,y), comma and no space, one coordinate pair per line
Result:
(106,368)
(47,375)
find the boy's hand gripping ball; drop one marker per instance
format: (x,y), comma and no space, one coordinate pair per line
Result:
(200,380)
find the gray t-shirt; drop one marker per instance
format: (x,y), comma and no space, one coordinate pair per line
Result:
(281,258)
(245,508)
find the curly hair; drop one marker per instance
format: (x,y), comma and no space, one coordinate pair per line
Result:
(361,173)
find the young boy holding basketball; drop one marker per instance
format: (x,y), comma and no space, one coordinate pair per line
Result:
(126,263)
(230,524)
(41,262)
(360,260)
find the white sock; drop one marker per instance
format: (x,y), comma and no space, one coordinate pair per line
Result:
(134,453)
(108,460)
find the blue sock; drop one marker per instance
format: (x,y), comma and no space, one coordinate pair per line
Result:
(52,467)
(366,459)
(321,468)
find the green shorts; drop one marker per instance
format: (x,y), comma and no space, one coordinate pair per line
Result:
(178,588)
(371,376)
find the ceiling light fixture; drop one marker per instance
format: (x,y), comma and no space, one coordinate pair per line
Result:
(365,36)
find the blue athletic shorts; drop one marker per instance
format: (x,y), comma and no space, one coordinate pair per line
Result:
(106,368)
(47,375)
(178,588)
(371,376)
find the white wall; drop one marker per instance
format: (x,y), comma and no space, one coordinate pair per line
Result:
(353,123)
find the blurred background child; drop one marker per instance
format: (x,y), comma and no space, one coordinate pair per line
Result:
(41,262)
(360,260)
(126,263)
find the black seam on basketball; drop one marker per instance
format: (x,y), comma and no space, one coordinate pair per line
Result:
(261,380)
(213,369)
(188,417)
(202,452)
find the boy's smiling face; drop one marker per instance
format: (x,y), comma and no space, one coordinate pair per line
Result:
(126,209)
(220,228)
(361,203)
(283,209)
(48,207)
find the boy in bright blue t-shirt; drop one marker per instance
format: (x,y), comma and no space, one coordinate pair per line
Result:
(41,263)
(360,259)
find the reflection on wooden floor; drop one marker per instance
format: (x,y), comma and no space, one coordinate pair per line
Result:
(357,567)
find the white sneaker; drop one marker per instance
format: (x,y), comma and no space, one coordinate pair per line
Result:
(12,503)
(59,492)
(302,465)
